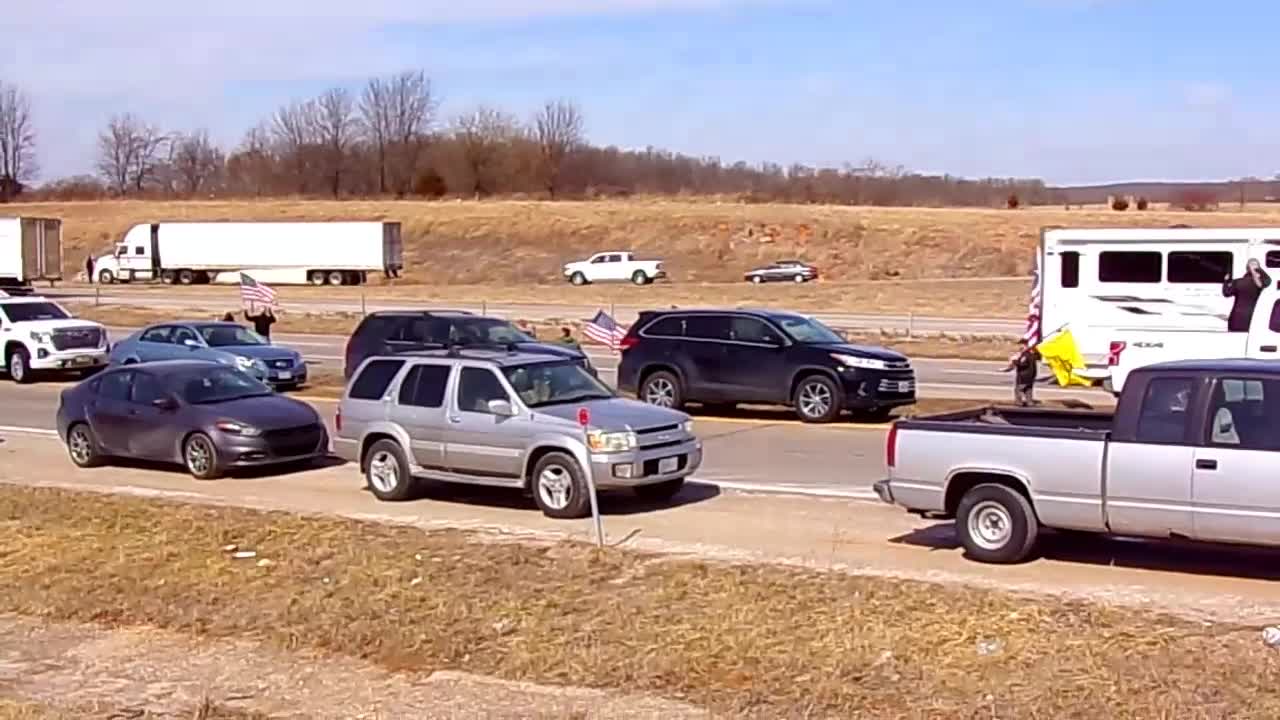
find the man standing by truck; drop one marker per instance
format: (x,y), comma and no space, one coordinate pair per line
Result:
(1025,363)
(1245,290)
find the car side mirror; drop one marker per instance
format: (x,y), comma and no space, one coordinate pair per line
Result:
(165,403)
(501,408)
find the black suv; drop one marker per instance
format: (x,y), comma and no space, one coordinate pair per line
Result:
(726,357)
(393,331)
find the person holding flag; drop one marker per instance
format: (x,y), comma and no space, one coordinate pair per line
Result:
(253,293)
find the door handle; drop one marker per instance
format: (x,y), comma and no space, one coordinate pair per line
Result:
(1206,464)
(1268,348)
(455,419)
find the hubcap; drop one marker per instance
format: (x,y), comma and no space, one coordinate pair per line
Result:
(815,400)
(17,368)
(199,456)
(990,525)
(660,392)
(79,445)
(555,487)
(384,472)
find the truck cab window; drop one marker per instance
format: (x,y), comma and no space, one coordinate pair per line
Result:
(1165,411)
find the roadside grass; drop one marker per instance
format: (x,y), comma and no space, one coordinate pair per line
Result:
(742,640)
(519,243)
(206,710)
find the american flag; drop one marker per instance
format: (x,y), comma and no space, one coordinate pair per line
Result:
(604,330)
(252,291)
(1032,334)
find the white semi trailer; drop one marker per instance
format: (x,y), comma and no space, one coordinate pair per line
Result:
(286,253)
(30,250)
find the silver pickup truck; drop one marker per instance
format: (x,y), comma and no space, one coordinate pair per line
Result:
(507,419)
(1192,452)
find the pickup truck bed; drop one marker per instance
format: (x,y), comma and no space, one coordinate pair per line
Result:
(999,420)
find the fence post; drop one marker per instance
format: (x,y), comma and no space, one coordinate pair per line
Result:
(363,312)
(97,295)
(911,325)
(484,307)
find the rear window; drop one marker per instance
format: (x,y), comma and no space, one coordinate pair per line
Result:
(1166,409)
(1130,267)
(379,326)
(373,381)
(707,327)
(424,386)
(1208,268)
(666,327)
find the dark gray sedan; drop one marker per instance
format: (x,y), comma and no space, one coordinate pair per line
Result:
(208,417)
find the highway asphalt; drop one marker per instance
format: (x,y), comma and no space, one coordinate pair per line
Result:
(220,299)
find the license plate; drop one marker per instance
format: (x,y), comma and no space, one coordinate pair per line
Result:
(903,387)
(286,376)
(83,360)
(666,465)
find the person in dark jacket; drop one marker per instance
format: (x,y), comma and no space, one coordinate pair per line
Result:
(1245,289)
(1026,365)
(262,321)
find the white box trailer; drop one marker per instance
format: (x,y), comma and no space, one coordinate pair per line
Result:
(319,253)
(30,250)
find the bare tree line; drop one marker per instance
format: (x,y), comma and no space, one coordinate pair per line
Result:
(389,139)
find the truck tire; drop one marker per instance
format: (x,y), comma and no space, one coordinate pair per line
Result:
(996,524)
(578,279)
(639,278)
(168,277)
(315,277)
(186,277)
(559,487)
(337,277)
(106,277)
(19,366)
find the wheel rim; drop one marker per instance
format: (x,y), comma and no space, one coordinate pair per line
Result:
(384,472)
(17,367)
(578,279)
(317,279)
(199,456)
(757,279)
(799,278)
(335,278)
(815,400)
(80,446)
(555,487)
(660,392)
(990,525)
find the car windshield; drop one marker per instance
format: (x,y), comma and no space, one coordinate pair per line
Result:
(28,311)
(555,383)
(485,330)
(229,336)
(218,385)
(808,330)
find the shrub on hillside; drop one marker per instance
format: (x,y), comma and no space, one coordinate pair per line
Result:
(1142,203)
(1120,204)
(1013,202)
(1196,200)
(430,184)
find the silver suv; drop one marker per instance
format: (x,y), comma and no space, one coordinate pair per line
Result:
(507,419)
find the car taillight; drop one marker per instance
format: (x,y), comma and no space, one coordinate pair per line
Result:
(628,342)
(891,446)
(1113,352)
(337,420)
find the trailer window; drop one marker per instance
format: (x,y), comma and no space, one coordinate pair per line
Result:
(1070,269)
(1208,268)
(1130,267)
(1273,258)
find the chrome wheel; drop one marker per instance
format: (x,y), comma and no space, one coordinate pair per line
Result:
(80,445)
(17,367)
(199,456)
(555,487)
(384,472)
(660,392)
(990,525)
(815,400)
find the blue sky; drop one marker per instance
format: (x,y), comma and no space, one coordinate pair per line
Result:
(1074,91)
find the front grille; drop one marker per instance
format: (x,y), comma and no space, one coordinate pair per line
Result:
(893,386)
(288,442)
(280,364)
(657,429)
(897,365)
(76,338)
(660,436)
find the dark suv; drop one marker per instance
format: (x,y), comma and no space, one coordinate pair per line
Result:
(393,331)
(726,357)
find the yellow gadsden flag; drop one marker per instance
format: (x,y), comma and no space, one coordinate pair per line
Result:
(1063,358)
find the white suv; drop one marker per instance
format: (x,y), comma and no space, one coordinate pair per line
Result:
(40,335)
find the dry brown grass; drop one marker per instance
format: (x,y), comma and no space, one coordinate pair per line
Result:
(207,710)
(519,243)
(743,640)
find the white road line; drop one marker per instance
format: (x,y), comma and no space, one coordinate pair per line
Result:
(19,430)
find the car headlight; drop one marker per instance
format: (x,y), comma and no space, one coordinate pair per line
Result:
(235,428)
(244,362)
(600,441)
(42,338)
(854,361)
(688,426)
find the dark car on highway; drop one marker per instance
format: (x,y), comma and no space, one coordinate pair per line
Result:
(205,416)
(395,331)
(730,357)
(782,271)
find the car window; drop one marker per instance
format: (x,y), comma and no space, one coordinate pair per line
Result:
(378,326)
(599,259)
(707,327)
(666,327)
(476,387)
(157,335)
(115,386)
(230,336)
(373,381)
(752,330)
(218,385)
(1243,412)
(146,389)
(424,386)
(486,330)
(543,384)
(1165,411)
(28,311)
(183,334)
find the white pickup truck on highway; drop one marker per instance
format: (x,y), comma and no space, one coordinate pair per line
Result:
(612,267)
(1190,453)
(38,334)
